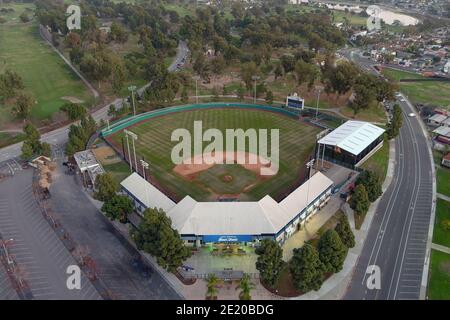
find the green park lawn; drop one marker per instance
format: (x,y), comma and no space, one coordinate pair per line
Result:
(440,235)
(119,170)
(378,162)
(439,284)
(18,9)
(45,74)
(443,181)
(427,92)
(7,138)
(155,145)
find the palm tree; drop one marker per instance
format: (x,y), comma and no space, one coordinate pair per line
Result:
(212,280)
(246,286)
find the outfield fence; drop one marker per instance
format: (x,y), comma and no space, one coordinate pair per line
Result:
(129,121)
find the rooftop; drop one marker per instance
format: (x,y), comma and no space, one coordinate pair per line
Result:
(353,136)
(265,216)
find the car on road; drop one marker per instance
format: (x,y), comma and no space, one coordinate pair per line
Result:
(412,115)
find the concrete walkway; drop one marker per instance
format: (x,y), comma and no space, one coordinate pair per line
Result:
(443,197)
(440,248)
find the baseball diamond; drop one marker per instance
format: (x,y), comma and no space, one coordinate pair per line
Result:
(206,182)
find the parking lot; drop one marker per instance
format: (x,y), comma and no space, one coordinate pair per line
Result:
(41,257)
(118,264)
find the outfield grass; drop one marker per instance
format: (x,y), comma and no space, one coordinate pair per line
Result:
(378,162)
(44,73)
(154,144)
(426,92)
(440,235)
(439,284)
(443,181)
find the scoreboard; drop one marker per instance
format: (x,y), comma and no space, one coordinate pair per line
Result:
(295,102)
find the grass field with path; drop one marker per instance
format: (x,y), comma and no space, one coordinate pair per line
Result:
(438,286)
(45,74)
(443,181)
(440,235)
(427,92)
(378,162)
(154,145)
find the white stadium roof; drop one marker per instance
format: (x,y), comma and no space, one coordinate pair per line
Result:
(146,193)
(231,218)
(353,136)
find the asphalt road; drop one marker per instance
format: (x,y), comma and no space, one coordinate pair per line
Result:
(59,136)
(39,253)
(118,264)
(397,237)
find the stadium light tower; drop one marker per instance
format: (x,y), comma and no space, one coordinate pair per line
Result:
(309,165)
(319,89)
(132,89)
(255,78)
(144,167)
(133,137)
(128,148)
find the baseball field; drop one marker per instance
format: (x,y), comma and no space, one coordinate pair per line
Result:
(220,181)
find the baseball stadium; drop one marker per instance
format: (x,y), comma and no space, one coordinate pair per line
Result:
(221,202)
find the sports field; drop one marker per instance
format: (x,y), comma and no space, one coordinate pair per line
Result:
(221,180)
(435,93)
(45,74)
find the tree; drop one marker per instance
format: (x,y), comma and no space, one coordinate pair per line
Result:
(27,151)
(211,286)
(46,149)
(345,232)
(184,95)
(106,187)
(24,103)
(306,268)
(246,287)
(248,70)
(240,92)
(278,72)
(118,207)
(218,64)
(372,184)
(10,83)
(270,261)
(332,251)
(341,78)
(118,74)
(24,17)
(74,111)
(32,144)
(393,127)
(118,33)
(269,97)
(156,236)
(288,63)
(360,200)
(306,73)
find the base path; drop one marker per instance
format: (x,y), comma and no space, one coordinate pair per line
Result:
(199,163)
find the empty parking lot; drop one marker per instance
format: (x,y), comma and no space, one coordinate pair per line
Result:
(41,257)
